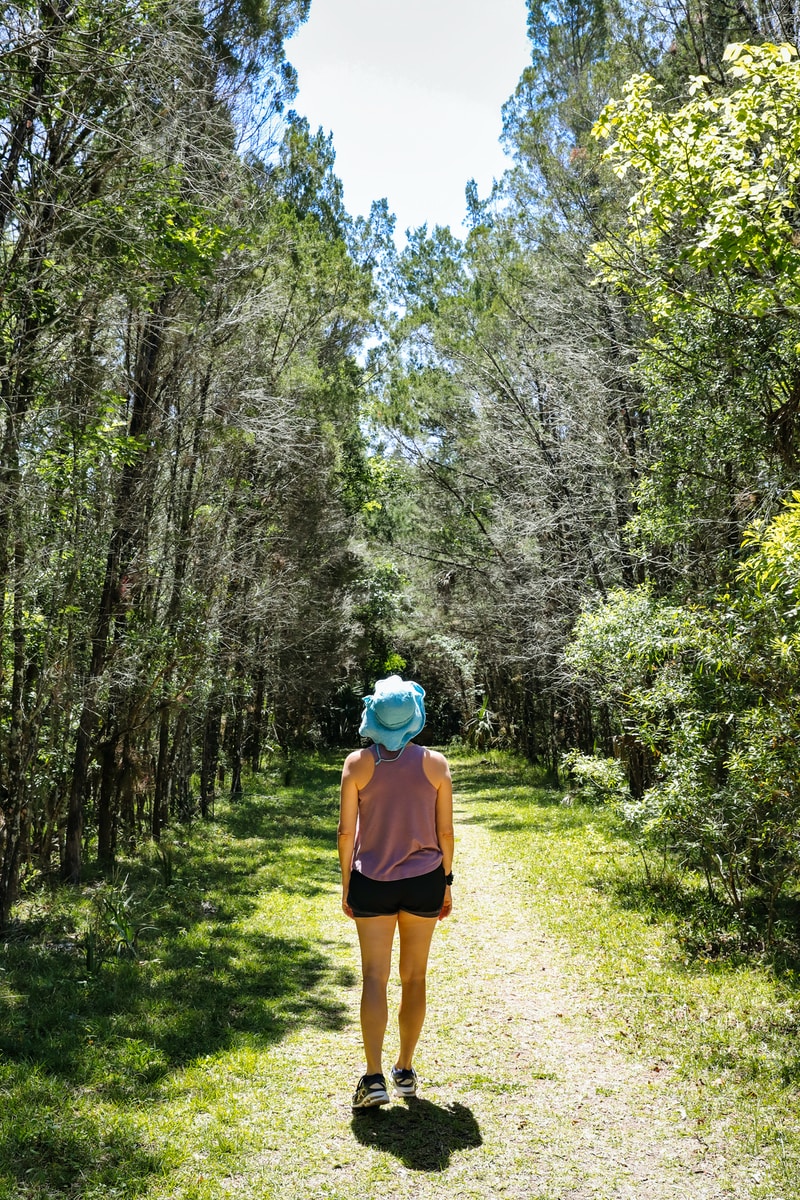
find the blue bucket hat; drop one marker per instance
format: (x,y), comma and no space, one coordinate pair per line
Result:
(394,714)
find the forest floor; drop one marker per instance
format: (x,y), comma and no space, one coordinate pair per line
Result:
(572,1051)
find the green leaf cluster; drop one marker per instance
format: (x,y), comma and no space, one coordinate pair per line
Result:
(714,189)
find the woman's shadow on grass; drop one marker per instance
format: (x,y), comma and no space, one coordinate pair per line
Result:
(421,1134)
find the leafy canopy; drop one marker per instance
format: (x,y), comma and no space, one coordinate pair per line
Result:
(715,189)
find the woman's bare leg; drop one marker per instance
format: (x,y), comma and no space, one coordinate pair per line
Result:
(415,943)
(375,935)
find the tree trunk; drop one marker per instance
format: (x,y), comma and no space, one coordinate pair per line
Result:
(211,743)
(235,741)
(106,815)
(160,816)
(252,745)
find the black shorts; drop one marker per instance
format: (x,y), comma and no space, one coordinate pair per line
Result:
(422,895)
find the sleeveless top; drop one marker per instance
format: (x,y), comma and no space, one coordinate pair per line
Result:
(396,826)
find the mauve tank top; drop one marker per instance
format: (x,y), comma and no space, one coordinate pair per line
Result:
(396,827)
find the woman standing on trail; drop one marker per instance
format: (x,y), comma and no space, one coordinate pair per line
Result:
(396,854)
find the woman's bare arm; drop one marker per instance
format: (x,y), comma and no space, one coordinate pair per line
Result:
(356,773)
(439,774)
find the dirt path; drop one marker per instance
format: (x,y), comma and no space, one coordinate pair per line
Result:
(526,1092)
(582,1119)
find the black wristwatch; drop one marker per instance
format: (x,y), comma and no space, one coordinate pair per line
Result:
(448,879)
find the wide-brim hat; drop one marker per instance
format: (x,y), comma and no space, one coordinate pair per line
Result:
(394,713)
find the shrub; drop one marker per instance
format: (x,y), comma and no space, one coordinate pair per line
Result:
(713,695)
(595,780)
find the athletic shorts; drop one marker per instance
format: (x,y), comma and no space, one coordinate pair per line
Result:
(422,895)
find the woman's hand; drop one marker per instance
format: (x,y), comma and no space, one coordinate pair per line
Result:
(447,903)
(346,909)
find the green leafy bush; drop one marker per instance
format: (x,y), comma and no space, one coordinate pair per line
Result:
(595,780)
(712,695)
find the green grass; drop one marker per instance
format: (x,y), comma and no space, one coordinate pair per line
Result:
(217,1058)
(728,1025)
(102,1062)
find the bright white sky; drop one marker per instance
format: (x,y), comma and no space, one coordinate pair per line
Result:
(412,92)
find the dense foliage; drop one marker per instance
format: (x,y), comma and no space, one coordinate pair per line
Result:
(253,456)
(181,460)
(704,685)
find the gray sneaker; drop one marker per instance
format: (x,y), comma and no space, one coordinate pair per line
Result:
(370,1092)
(405,1081)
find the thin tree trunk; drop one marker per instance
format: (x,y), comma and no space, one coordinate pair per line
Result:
(160,816)
(237,735)
(252,748)
(106,815)
(14,809)
(211,743)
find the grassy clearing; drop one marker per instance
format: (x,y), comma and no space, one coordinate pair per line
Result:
(217,1059)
